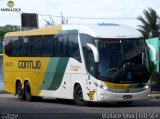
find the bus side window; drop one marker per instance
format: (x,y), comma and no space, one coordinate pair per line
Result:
(36,46)
(55,51)
(8,46)
(73,47)
(25,46)
(48,46)
(16,45)
(65,46)
(59,46)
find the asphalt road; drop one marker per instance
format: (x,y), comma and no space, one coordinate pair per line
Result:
(11,107)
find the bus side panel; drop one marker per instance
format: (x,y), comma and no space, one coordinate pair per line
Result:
(24,69)
(9,83)
(67,70)
(57,80)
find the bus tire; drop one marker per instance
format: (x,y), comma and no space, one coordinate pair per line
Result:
(78,96)
(20,91)
(28,94)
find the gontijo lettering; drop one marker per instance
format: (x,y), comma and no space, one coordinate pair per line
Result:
(29,64)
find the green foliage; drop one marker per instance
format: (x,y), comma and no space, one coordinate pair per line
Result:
(1,51)
(149,26)
(7,28)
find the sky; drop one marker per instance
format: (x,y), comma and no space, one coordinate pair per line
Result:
(80,8)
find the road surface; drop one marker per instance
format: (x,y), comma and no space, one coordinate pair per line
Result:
(51,108)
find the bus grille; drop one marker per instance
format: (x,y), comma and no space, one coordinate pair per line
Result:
(135,90)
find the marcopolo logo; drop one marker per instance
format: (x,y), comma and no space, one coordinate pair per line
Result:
(10,7)
(10,4)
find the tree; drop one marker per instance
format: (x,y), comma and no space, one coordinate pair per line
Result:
(150,26)
(7,28)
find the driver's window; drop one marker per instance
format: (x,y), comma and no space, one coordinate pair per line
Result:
(88,54)
(89,59)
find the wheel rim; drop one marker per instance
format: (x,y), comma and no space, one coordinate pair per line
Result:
(19,89)
(28,91)
(80,95)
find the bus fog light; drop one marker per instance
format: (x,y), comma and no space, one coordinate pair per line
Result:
(102,96)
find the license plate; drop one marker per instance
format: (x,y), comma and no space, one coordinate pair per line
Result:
(127,97)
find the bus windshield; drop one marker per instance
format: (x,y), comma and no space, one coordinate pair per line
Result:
(121,61)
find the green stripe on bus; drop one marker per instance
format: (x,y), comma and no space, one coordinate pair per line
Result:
(48,79)
(68,32)
(54,74)
(59,73)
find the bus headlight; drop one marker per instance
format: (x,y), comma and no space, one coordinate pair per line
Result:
(103,87)
(147,86)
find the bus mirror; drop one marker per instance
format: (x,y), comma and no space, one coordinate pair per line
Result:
(95,52)
(154,53)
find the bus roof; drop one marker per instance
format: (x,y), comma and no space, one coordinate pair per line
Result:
(42,31)
(104,30)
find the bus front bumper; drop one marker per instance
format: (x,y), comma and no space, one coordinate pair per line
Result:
(107,96)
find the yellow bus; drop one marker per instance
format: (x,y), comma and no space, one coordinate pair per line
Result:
(86,63)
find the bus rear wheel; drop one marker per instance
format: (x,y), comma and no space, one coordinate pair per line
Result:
(20,91)
(78,96)
(28,94)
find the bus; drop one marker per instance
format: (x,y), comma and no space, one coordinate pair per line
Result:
(85,63)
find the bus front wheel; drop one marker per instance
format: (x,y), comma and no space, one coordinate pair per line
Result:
(20,91)
(78,96)
(28,95)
